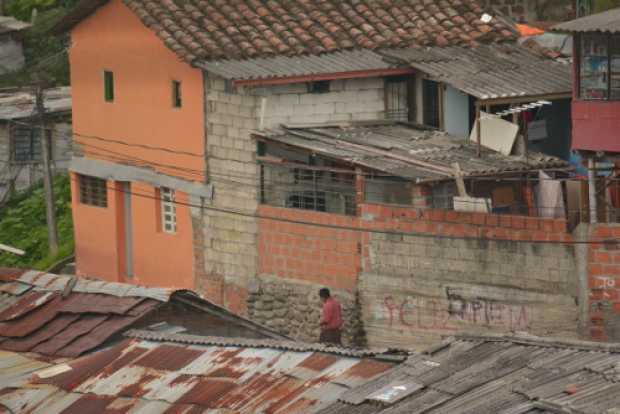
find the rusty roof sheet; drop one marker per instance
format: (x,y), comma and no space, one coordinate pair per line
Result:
(170,376)
(48,314)
(262,343)
(406,151)
(511,374)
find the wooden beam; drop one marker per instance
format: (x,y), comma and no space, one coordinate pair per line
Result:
(458,177)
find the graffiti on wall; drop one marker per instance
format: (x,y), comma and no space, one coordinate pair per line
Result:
(451,313)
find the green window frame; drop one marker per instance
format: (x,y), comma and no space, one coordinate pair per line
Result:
(108,85)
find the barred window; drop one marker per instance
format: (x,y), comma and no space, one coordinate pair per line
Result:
(168,211)
(27,144)
(93,191)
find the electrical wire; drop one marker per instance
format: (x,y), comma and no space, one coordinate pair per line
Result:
(358,229)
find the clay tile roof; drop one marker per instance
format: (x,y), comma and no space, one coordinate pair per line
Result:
(241,29)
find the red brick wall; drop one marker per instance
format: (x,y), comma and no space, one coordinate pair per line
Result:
(604,284)
(331,256)
(320,255)
(460,224)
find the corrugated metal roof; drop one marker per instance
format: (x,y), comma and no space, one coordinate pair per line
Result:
(305,65)
(517,374)
(168,376)
(21,104)
(407,152)
(490,71)
(607,21)
(256,343)
(11,24)
(40,312)
(52,282)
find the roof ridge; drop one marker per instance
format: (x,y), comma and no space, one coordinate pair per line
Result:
(262,343)
(525,338)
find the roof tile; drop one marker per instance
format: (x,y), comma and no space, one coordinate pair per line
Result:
(243,29)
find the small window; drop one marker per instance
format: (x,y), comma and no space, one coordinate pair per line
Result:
(168,211)
(26,144)
(108,85)
(93,191)
(599,77)
(177,101)
(430,96)
(400,98)
(318,87)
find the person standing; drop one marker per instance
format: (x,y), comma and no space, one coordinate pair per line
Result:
(331,319)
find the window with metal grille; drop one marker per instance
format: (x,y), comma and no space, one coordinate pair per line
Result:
(168,211)
(400,98)
(93,191)
(26,144)
(319,86)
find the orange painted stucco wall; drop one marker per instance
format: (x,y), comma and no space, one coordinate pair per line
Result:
(114,39)
(161,259)
(97,250)
(142,113)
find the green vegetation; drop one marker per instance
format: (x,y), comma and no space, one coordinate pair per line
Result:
(44,51)
(23,225)
(602,5)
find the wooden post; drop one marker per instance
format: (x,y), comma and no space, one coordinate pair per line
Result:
(52,230)
(458,177)
(478,129)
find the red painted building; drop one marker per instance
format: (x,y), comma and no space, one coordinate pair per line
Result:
(596,81)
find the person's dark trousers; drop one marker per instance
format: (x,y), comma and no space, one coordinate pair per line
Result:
(330,336)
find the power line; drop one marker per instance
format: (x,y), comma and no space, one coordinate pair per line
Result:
(365,174)
(363,230)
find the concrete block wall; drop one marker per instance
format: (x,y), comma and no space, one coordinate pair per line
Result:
(229,240)
(416,289)
(347,100)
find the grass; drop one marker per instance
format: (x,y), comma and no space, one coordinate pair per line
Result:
(23,225)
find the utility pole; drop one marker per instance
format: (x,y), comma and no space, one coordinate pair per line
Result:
(52,229)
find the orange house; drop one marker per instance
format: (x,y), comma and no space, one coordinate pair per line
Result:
(130,200)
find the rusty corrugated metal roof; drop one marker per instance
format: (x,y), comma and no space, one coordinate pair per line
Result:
(170,376)
(38,313)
